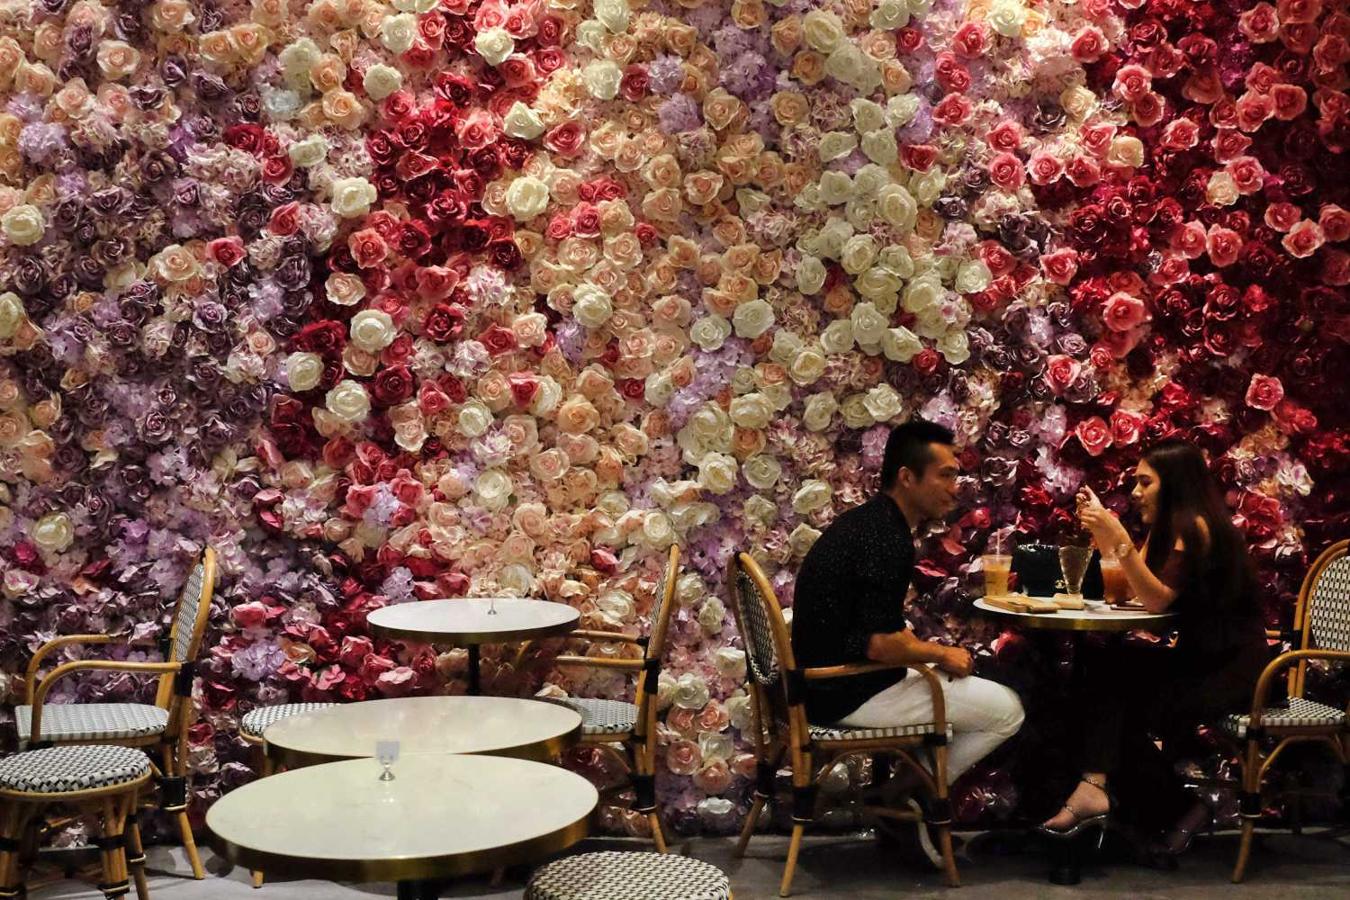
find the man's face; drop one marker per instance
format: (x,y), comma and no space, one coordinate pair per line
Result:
(933,493)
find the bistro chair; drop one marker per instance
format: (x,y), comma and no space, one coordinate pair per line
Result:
(162,724)
(631,724)
(777,694)
(100,782)
(1321,631)
(611,874)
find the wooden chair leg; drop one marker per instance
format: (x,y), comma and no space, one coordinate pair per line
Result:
(658,836)
(1244,850)
(1251,788)
(945,829)
(785,888)
(258,878)
(13,821)
(749,827)
(190,846)
(113,853)
(136,854)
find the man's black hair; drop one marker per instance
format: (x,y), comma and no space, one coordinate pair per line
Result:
(908,448)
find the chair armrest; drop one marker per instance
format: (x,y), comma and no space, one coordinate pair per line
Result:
(600,662)
(1275,666)
(106,665)
(603,636)
(30,676)
(821,673)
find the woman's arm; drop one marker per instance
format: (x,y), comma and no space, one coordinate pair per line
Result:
(1112,539)
(1155,594)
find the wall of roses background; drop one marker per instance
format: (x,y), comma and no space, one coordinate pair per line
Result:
(425,299)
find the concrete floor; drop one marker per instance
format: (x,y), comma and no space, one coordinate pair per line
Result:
(1315,865)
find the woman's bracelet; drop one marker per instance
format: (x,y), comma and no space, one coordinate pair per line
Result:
(1122,550)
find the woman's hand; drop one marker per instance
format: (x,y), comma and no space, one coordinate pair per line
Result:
(1101,522)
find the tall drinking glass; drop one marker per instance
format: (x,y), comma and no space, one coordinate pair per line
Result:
(997,568)
(1073,563)
(387,753)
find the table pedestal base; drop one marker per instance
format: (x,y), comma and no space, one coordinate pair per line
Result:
(475,672)
(418,890)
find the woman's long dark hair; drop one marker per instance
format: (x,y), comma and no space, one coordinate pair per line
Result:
(1187,492)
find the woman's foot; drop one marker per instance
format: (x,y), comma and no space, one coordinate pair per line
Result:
(1089,800)
(1164,851)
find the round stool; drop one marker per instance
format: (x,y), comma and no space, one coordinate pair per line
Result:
(619,875)
(99,780)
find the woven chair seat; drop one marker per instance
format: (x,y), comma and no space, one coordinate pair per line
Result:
(255,721)
(63,770)
(603,716)
(837,733)
(67,722)
(1300,713)
(618,875)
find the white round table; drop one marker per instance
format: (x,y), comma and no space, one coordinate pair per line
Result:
(442,816)
(470,621)
(496,726)
(1097,617)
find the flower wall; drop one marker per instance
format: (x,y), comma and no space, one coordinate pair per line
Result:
(390,302)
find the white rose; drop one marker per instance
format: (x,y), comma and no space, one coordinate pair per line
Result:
(896,259)
(712,615)
(837,337)
(1007,18)
(927,186)
(280,105)
(855,412)
(526,198)
(972,276)
(691,692)
(896,205)
(658,389)
(890,14)
(344,289)
(11,314)
(759,511)
(717,472)
(380,81)
(397,33)
(753,319)
(900,344)
(522,122)
(880,146)
(493,488)
(954,347)
(901,109)
(811,275)
(351,197)
(822,30)
(738,705)
(591,306)
(348,401)
(657,530)
(869,180)
(710,332)
(802,538)
(868,115)
(751,411)
(751,201)
(546,398)
(303,371)
(923,294)
(762,471)
(602,79)
(829,241)
(299,57)
(869,325)
(807,366)
(786,346)
(730,663)
(494,45)
(847,64)
(819,410)
(23,224)
(1222,189)
(836,144)
(1126,151)
(836,188)
(613,14)
(812,495)
(709,426)
(884,403)
(372,330)
(881,286)
(858,253)
(474,418)
(309,152)
(53,532)
(591,35)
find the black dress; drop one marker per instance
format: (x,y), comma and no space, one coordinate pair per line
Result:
(1137,694)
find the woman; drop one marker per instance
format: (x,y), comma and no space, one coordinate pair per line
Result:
(1194,564)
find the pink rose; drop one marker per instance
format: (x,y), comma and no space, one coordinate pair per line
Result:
(1247,173)
(1123,312)
(1290,101)
(1335,223)
(1061,371)
(1148,110)
(953,110)
(1223,244)
(1303,239)
(713,718)
(683,757)
(1229,144)
(1097,137)
(1282,216)
(1126,427)
(714,778)
(1265,392)
(1260,24)
(1083,172)
(1094,434)
(1005,170)
(1089,45)
(249,615)
(1044,168)
(1180,134)
(1005,137)
(970,40)
(1253,110)
(1060,265)
(354,650)
(1132,82)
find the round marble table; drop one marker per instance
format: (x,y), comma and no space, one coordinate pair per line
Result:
(470,621)
(495,726)
(1097,617)
(441,816)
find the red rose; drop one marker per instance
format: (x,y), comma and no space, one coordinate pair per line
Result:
(498,340)
(1265,392)
(565,139)
(953,110)
(1304,239)
(285,219)
(1123,312)
(391,386)
(277,169)
(226,251)
(323,338)
(1089,45)
(1295,418)
(1229,144)
(1044,168)
(926,361)
(247,137)
(1005,137)
(1094,434)
(1171,270)
(1336,268)
(951,75)
(1060,265)
(1126,427)
(604,561)
(919,157)
(431,399)
(1290,101)
(1061,371)
(1302,12)
(1083,172)
(647,234)
(1260,24)
(908,39)
(1005,171)
(1223,244)
(635,83)
(971,40)
(443,323)
(1148,110)
(524,387)
(997,258)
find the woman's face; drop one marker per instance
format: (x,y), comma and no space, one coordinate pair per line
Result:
(1145,493)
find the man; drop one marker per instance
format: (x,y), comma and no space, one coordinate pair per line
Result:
(849,607)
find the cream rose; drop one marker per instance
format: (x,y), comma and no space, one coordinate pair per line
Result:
(753,319)
(900,344)
(884,403)
(759,511)
(751,411)
(811,274)
(309,152)
(855,412)
(837,337)
(835,145)
(785,348)
(901,109)
(761,471)
(868,115)
(527,197)
(474,418)
(1007,18)
(896,205)
(657,530)
(717,472)
(802,538)
(858,253)
(807,366)
(1222,189)
(613,14)
(881,286)
(344,289)
(819,411)
(522,122)
(954,347)
(348,401)
(12,314)
(23,224)
(53,532)
(602,78)
(299,57)
(351,197)
(880,146)
(494,45)
(303,371)
(591,306)
(380,81)
(372,330)
(923,294)
(836,188)
(493,488)
(812,495)
(889,15)
(1126,151)
(822,30)
(869,325)
(398,33)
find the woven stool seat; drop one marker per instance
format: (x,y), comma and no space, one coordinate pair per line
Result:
(1298,713)
(62,770)
(603,716)
(66,722)
(255,721)
(616,875)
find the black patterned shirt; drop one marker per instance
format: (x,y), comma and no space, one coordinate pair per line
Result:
(851,586)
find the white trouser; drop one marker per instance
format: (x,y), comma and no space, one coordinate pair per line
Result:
(981,713)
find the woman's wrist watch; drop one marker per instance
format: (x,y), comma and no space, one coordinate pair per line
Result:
(1122,550)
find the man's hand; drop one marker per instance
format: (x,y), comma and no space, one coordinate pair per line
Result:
(957,661)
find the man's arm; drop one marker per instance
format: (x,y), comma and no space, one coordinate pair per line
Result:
(904,648)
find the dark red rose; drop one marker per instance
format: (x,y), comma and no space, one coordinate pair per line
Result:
(326,337)
(246,136)
(635,83)
(505,255)
(524,387)
(444,323)
(919,157)
(392,385)
(926,361)
(498,340)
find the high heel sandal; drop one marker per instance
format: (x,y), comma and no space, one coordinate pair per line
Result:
(1082,822)
(1164,853)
